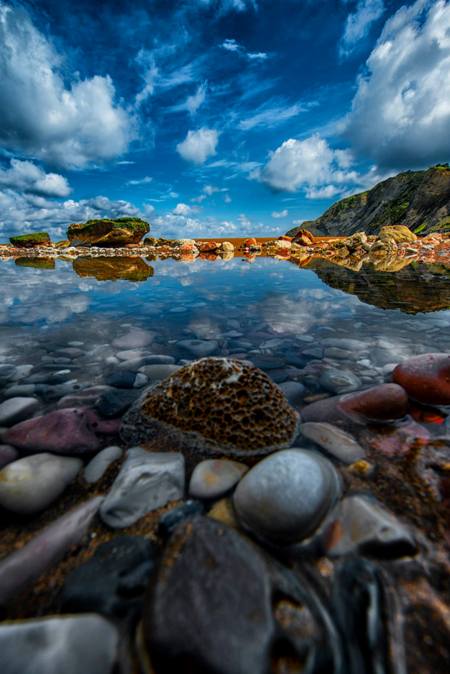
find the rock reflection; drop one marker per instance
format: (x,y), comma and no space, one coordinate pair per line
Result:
(113,268)
(413,289)
(35,262)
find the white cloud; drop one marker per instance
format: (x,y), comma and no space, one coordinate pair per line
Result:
(358,24)
(401,111)
(307,164)
(230,44)
(66,124)
(193,102)
(22,212)
(280,214)
(182,209)
(244,221)
(227,199)
(27,177)
(271,116)
(140,181)
(198,145)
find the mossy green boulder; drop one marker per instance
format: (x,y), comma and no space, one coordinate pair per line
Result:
(32,240)
(107,232)
(397,233)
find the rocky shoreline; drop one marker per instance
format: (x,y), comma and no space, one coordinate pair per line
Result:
(392,250)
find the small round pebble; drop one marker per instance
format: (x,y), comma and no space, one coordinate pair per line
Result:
(214,477)
(97,467)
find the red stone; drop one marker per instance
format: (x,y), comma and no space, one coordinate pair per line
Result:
(382,403)
(426,378)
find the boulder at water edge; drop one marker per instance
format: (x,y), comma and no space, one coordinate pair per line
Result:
(214,406)
(108,232)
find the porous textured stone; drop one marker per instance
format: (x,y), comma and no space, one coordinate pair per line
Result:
(214,406)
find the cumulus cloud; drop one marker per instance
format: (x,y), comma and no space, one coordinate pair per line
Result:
(400,114)
(358,24)
(21,212)
(182,209)
(27,177)
(69,124)
(198,145)
(309,164)
(280,214)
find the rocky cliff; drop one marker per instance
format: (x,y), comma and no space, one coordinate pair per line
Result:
(418,199)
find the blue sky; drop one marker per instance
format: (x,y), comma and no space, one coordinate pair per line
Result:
(216,117)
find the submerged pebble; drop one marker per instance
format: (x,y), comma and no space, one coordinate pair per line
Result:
(96,468)
(14,410)
(426,378)
(334,440)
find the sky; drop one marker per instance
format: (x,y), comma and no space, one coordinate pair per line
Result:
(214,117)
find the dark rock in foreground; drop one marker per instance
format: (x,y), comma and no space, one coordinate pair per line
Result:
(209,609)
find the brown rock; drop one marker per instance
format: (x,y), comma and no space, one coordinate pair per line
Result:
(382,403)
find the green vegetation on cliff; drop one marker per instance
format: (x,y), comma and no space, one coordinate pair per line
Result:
(420,200)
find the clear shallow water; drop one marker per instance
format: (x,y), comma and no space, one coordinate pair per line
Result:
(278,315)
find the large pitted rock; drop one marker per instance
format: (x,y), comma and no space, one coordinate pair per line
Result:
(426,378)
(397,233)
(213,407)
(209,608)
(107,232)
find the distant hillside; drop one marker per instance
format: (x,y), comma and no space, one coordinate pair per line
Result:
(418,199)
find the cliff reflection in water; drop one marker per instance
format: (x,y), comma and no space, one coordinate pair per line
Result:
(413,289)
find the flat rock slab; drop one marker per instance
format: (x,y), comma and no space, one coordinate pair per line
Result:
(209,609)
(147,481)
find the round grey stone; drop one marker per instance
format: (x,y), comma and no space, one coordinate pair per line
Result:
(285,497)
(30,484)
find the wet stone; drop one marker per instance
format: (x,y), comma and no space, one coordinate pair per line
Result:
(379,403)
(294,392)
(360,525)
(113,581)
(146,481)
(121,379)
(215,477)
(170,520)
(158,372)
(30,484)
(198,347)
(7,455)
(14,410)
(339,381)
(285,497)
(190,618)
(134,339)
(334,440)
(86,644)
(426,378)
(100,463)
(114,402)
(22,567)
